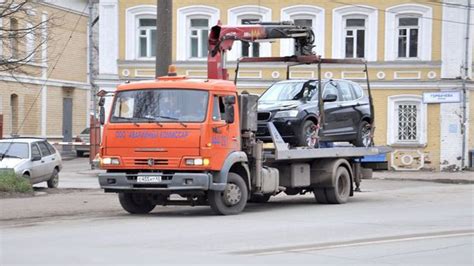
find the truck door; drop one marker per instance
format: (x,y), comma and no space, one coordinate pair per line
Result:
(224,137)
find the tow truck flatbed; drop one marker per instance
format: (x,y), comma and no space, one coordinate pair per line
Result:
(283,153)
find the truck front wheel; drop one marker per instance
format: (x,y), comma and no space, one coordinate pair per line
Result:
(135,203)
(337,194)
(233,199)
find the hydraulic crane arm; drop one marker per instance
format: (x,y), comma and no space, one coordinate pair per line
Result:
(222,38)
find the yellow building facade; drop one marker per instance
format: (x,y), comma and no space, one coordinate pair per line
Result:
(49,96)
(412,49)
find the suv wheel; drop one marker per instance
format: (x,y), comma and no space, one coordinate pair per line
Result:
(304,139)
(364,138)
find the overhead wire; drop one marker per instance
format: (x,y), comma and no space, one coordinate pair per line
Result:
(52,70)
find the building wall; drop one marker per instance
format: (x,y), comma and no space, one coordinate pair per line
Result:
(58,69)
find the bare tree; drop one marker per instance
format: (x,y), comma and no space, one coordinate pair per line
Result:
(22,35)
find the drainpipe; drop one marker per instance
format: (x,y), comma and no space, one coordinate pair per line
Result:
(464,90)
(164,25)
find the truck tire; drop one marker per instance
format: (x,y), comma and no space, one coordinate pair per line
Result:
(259,198)
(320,195)
(339,193)
(233,199)
(342,187)
(135,203)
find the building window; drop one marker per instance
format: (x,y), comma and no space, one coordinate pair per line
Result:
(14,37)
(408,37)
(245,14)
(307,16)
(193,26)
(140,32)
(250,49)
(407,123)
(146,37)
(354,38)
(198,36)
(14,113)
(355,31)
(30,43)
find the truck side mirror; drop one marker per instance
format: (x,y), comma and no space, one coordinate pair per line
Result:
(102,115)
(101,101)
(330,98)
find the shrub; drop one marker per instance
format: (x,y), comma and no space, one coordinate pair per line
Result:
(10,182)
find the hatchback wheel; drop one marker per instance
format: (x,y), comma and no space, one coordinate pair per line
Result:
(54,180)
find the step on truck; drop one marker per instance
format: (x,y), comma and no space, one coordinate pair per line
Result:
(196,138)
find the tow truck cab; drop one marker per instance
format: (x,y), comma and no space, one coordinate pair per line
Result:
(171,135)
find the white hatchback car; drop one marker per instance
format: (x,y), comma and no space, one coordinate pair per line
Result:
(34,159)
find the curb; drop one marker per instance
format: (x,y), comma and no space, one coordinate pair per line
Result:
(438,180)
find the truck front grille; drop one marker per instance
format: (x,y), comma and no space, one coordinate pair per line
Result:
(155,162)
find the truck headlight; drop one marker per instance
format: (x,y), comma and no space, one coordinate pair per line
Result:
(289,113)
(197,161)
(110,161)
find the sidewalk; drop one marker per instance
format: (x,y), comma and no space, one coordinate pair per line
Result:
(465,177)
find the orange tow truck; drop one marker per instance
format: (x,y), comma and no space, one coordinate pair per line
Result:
(196,139)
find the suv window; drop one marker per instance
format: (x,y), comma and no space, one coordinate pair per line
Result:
(35,150)
(330,89)
(357,90)
(346,92)
(44,149)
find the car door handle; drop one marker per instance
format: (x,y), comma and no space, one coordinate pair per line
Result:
(42,161)
(52,159)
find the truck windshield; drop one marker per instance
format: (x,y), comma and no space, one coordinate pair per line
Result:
(289,91)
(163,105)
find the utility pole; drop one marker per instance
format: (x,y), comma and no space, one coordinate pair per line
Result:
(464,80)
(164,25)
(94,132)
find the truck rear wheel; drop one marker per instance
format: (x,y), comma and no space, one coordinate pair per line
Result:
(135,203)
(339,193)
(233,199)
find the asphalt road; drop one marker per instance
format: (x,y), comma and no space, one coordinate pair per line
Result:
(390,222)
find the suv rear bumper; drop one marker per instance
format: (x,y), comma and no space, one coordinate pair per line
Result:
(180,181)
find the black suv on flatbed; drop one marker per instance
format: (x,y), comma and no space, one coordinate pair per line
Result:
(292,106)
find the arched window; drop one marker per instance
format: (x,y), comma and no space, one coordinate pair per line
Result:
(140,32)
(14,113)
(194,23)
(355,32)
(304,15)
(248,14)
(406,120)
(408,30)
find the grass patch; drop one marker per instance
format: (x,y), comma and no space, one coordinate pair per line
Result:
(10,182)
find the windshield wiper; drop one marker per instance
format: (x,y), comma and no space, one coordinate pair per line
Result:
(11,156)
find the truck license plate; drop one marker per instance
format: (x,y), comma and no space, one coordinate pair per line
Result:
(148,179)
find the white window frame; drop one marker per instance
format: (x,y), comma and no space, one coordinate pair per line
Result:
(339,18)
(424,14)
(184,15)
(355,35)
(199,30)
(133,14)
(392,120)
(148,35)
(236,14)
(240,44)
(304,12)
(408,29)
